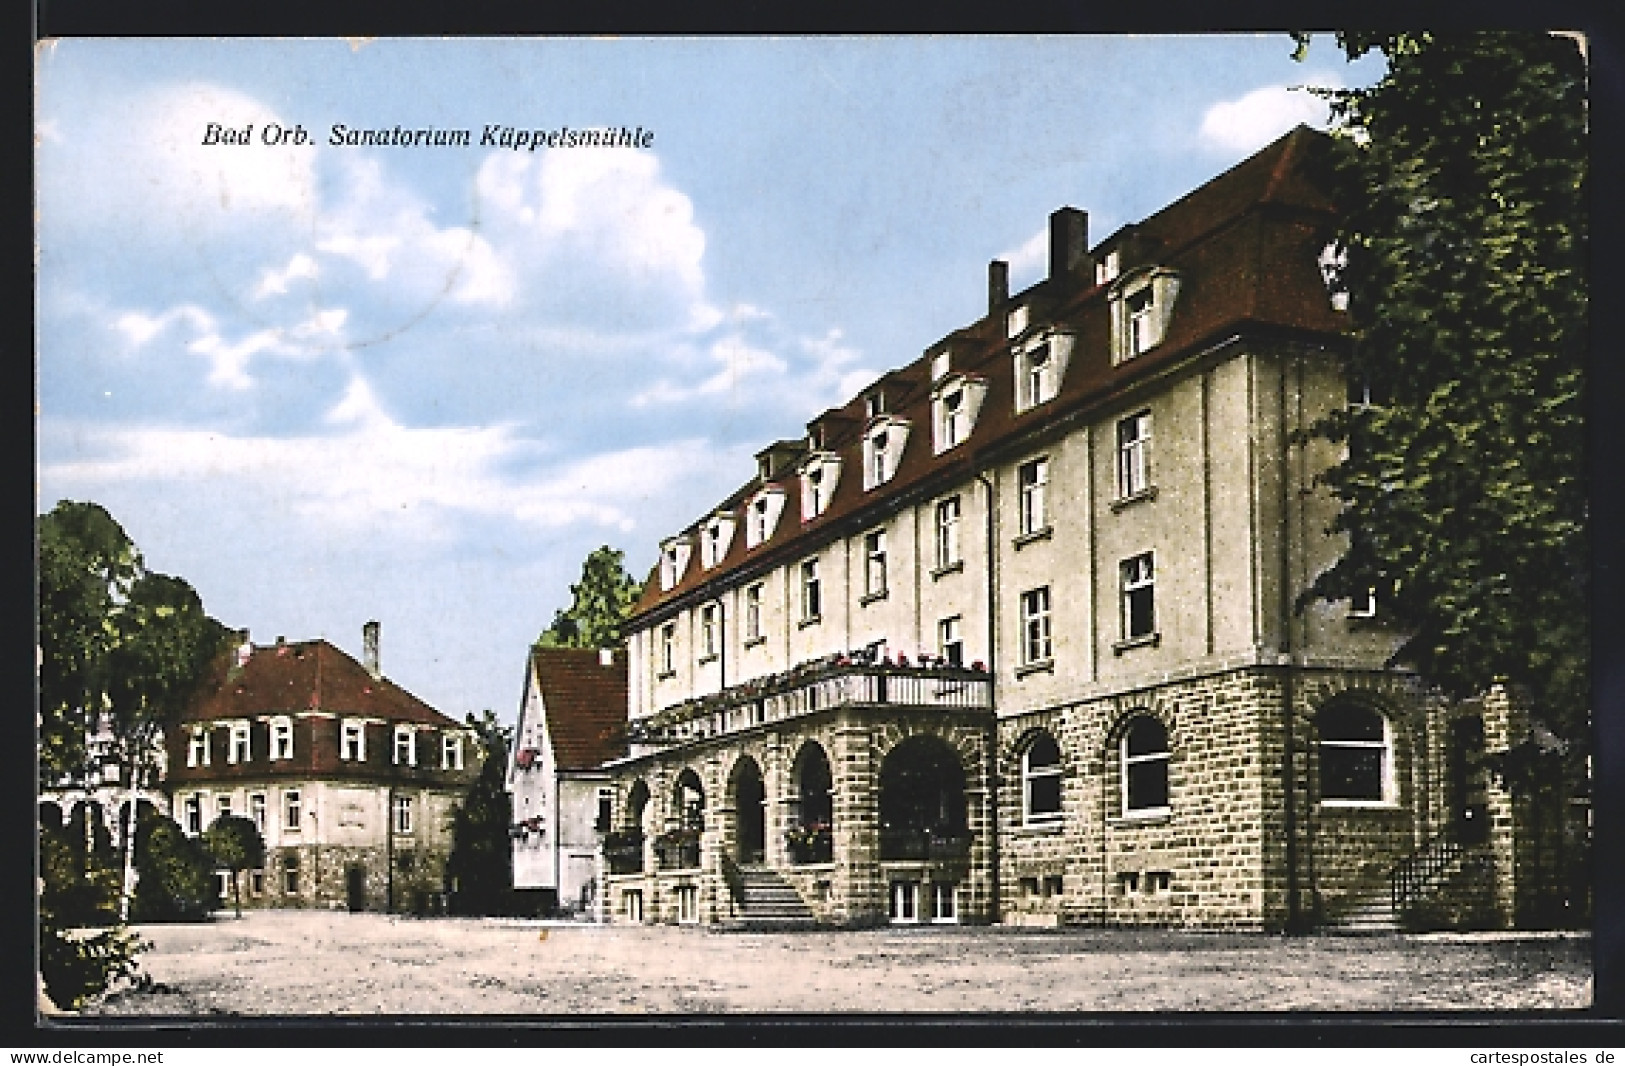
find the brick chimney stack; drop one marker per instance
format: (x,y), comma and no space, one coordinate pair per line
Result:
(998,285)
(369,649)
(1068,241)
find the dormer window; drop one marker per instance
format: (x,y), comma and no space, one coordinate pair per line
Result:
(883,450)
(406,746)
(1332,262)
(1141,308)
(673,562)
(818,480)
(197,750)
(1109,267)
(762,515)
(241,747)
(719,533)
(353,740)
(1017,320)
(1039,370)
(874,404)
(956,405)
(941,364)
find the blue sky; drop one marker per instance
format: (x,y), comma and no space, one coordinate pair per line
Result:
(327,384)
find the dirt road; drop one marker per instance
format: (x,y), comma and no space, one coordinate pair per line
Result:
(323,963)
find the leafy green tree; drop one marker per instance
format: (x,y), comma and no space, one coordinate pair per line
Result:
(236,844)
(1461,246)
(175,875)
(480,865)
(87,564)
(600,604)
(77,894)
(1463,241)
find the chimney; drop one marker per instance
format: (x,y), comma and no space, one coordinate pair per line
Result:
(1068,241)
(998,285)
(369,649)
(606,656)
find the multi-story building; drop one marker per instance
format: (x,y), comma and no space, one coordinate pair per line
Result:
(571,722)
(350,778)
(1016,633)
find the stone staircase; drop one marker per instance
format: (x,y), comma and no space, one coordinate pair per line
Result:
(1371,915)
(1441,885)
(765,901)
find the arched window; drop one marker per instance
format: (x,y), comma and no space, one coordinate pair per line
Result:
(1144,751)
(1356,765)
(1041,781)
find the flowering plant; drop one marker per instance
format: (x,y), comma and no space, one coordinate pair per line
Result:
(806,835)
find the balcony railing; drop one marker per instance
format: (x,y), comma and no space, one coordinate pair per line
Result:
(814,687)
(623,853)
(809,847)
(923,844)
(678,854)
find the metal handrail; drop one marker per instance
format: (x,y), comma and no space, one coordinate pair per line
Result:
(1418,870)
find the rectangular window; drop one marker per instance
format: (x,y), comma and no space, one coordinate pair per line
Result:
(949,641)
(947,532)
(451,751)
(197,752)
(668,649)
(688,904)
(256,882)
(290,875)
(1133,451)
(1139,597)
(353,741)
(1363,605)
(811,604)
(291,811)
(905,901)
(758,523)
(606,807)
(1035,634)
(753,612)
(281,738)
(1033,480)
(942,902)
(222,806)
(953,419)
(256,810)
(406,746)
(874,570)
(1140,309)
(632,904)
(708,632)
(240,749)
(194,813)
(878,473)
(403,814)
(1038,377)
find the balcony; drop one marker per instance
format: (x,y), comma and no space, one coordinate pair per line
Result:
(836,681)
(678,850)
(810,845)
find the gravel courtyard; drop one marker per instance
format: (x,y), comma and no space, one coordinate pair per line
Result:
(324,963)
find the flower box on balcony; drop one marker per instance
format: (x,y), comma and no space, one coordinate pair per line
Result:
(810,844)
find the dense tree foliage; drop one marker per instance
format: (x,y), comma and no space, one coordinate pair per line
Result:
(599,606)
(82,950)
(480,865)
(175,874)
(235,844)
(1462,247)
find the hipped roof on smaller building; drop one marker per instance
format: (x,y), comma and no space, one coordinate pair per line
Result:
(311,675)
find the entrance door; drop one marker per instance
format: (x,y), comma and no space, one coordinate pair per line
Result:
(355,888)
(1464,781)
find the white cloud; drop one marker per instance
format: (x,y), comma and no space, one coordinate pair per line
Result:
(372,472)
(275,282)
(1246,124)
(229,359)
(740,365)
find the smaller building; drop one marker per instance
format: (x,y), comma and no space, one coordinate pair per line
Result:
(572,720)
(351,779)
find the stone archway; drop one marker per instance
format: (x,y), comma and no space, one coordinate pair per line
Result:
(922,800)
(811,835)
(749,797)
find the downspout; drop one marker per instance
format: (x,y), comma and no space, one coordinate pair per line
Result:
(994,902)
(389,849)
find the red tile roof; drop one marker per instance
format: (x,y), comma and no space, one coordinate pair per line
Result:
(585,704)
(310,675)
(1245,246)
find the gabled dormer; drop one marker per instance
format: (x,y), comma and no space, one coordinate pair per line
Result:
(773,460)
(820,472)
(674,553)
(883,444)
(956,401)
(1142,305)
(762,513)
(715,536)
